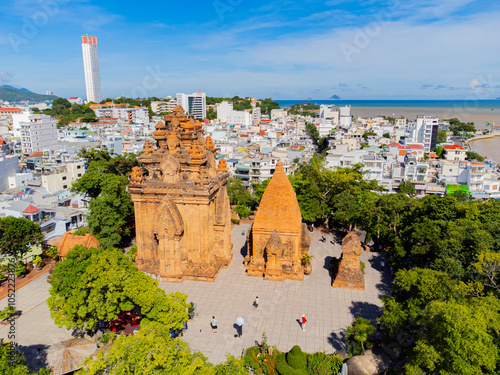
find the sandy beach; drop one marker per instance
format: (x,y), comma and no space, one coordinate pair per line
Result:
(477,115)
(489,147)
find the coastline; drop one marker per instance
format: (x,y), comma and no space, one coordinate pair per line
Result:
(479,116)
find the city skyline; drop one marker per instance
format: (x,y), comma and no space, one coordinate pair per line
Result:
(283,49)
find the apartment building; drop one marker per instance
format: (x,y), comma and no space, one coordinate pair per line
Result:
(59,177)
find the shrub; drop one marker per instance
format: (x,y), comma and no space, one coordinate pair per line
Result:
(38,262)
(21,269)
(52,252)
(243,211)
(7,312)
(82,231)
(132,252)
(284,368)
(363,265)
(107,337)
(235,221)
(296,358)
(250,357)
(321,363)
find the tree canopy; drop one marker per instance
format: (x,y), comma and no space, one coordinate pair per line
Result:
(17,235)
(111,209)
(96,284)
(150,350)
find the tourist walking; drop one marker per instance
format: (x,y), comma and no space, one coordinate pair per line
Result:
(304,320)
(324,237)
(239,325)
(213,323)
(382,264)
(256,302)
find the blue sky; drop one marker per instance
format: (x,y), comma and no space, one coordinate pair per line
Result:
(365,49)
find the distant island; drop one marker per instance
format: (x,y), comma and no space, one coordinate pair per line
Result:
(13,94)
(335,97)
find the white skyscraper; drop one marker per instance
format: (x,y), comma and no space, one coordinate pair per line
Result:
(91,67)
(194,104)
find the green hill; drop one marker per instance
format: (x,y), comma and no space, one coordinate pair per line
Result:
(11,95)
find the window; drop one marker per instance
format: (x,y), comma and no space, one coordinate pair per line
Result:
(79,175)
(78,167)
(65,186)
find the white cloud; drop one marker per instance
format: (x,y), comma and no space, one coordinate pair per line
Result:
(5,77)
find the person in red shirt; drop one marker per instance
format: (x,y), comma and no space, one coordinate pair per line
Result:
(304,320)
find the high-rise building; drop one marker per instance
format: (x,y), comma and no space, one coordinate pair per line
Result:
(194,104)
(91,67)
(426,132)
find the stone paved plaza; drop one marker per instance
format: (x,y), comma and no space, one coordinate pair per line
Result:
(329,311)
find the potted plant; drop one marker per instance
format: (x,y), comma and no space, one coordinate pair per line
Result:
(306,262)
(38,262)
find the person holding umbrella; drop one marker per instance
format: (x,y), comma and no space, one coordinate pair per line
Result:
(239,325)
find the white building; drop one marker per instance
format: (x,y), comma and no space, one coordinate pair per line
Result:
(62,177)
(91,68)
(223,110)
(226,114)
(345,116)
(329,112)
(139,114)
(194,104)
(256,115)
(425,132)
(278,114)
(38,132)
(163,107)
(75,100)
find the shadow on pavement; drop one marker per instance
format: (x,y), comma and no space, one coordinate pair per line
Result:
(365,310)
(337,340)
(385,286)
(244,250)
(35,361)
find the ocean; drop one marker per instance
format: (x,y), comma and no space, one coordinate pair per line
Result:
(468,104)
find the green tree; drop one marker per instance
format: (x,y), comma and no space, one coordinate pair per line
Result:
(111,209)
(238,193)
(358,335)
(18,235)
(441,136)
(95,284)
(407,188)
(232,366)
(267,105)
(12,362)
(457,339)
(472,155)
(149,351)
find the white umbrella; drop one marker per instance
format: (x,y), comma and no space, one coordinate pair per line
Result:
(69,355)
(240,321)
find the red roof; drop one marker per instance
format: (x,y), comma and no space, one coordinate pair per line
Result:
(74,97)
(31,210)
(395,144)
(11,109)
(402,152)
(2,141)
(420,147)
(453,147)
